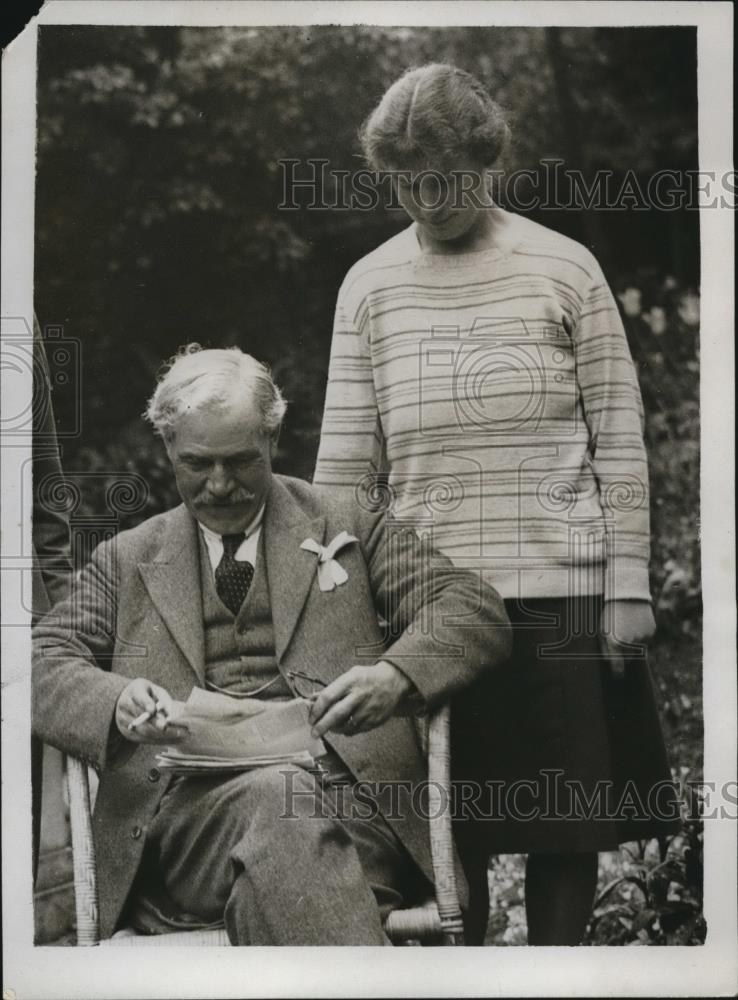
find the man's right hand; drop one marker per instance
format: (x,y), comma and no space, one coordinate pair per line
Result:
(140,697)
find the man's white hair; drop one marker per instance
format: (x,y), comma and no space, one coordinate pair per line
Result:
(197,378)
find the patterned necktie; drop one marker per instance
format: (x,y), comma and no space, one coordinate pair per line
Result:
(233,578)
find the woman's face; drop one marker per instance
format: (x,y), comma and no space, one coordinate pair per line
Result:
(446,203)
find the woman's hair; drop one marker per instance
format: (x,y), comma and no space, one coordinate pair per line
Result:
(432,114)
(209,379)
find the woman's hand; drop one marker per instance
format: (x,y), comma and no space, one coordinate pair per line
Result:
(359,700)
(624,623)
(142,698)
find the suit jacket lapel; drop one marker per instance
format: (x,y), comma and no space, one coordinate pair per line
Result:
(173,582)
(290,569)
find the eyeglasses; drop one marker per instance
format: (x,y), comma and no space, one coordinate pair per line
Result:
(294,675)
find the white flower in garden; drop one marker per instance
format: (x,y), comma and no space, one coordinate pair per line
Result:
(631,300)
(670,283)
(689,309)
(656,319)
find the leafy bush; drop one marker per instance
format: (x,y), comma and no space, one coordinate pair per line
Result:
(662,325)
(657,897)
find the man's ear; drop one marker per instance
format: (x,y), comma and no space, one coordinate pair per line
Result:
(274,441)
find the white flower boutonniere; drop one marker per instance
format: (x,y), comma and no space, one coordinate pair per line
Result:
(330,573)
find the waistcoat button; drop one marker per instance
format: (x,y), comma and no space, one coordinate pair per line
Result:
(154,774)
(136,832)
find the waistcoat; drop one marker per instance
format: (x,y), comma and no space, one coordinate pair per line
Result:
(239,649)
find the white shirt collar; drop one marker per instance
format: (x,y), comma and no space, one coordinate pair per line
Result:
(246,552)
(213,536)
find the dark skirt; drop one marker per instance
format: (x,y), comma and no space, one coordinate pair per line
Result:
(550,752)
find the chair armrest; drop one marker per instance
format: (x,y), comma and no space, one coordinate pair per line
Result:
(441,834)
(83,854)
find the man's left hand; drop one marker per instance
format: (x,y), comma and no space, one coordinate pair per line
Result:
(359,700)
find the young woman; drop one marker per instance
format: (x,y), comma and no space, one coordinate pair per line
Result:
(479,360)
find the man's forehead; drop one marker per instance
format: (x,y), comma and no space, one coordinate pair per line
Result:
(233,426)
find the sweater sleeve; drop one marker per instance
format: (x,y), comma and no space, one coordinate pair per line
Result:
(613,410)
(351,439)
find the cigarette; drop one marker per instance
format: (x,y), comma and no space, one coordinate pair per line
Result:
(145,716)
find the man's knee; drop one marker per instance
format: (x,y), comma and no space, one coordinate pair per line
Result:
(286,814)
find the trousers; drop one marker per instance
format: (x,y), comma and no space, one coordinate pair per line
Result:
(283,855)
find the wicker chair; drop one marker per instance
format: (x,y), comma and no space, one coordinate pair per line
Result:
(437,921)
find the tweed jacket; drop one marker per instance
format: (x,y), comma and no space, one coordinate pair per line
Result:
(136,611)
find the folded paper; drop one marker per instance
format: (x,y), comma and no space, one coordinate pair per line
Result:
(231,734)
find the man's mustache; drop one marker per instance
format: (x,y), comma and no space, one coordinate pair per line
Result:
(240,496)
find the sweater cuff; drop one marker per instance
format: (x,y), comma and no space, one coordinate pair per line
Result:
(626,579)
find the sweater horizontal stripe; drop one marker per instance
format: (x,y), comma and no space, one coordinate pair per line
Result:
(496,393)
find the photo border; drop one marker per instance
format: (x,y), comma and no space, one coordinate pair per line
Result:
(711,969)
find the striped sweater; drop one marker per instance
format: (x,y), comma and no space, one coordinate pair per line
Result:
(497,390)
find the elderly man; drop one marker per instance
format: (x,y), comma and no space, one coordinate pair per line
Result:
(220,593)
